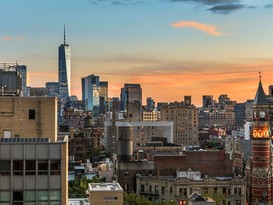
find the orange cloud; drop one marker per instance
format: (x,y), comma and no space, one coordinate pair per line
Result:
(209,29)
(13,38)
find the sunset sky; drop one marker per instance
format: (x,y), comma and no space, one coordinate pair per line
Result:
(171,47)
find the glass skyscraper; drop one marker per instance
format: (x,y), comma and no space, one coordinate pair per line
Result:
(64,70)
(90,91)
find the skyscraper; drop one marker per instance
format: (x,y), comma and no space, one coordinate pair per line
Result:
(90,91)
(131,101)
(64,70)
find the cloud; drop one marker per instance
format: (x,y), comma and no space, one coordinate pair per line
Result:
(268,6)
(226,8)
(208,2)
(209,29)
(13,38)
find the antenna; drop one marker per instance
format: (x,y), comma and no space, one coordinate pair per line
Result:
(64,34)
(260,76)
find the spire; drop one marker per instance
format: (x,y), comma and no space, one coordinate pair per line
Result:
(64,34)
(260,98)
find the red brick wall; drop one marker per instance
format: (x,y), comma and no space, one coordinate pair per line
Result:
(211,163)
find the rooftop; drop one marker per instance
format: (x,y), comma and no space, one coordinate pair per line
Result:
(104,187)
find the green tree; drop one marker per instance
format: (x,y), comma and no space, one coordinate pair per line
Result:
(78,186)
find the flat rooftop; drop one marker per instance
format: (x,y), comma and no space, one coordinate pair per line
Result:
(104,187)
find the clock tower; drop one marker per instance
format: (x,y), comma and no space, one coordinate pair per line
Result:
(261,173)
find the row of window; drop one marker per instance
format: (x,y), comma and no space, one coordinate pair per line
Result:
(30,167)
(30,197)
(183,191)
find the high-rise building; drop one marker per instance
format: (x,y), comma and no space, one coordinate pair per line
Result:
(261,172)
(150,104)
(131,101)
(90,91)
(207,101)
(52,89)
(10,80)
(64,70)
(185,123)
(22,69)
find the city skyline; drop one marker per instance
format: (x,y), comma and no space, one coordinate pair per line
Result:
(172,48)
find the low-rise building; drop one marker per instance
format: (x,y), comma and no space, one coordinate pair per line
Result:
(180,187)
(105,193)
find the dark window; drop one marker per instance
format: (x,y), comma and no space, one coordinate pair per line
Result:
(55,167)
(18,198)
(142,188)
(30,167)
(43,167)
(31,114)
(18,167)
(171,190)
(162,190)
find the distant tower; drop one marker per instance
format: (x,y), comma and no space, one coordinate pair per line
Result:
(261,187)
(64,70)
(90,92)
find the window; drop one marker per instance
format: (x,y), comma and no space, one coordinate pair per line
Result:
(18,167)
(171,190)
(42,167)
(4,167)
(239,191)
(30,196)
(55,195)
(185,192)
(43,195)
(126,174)
(142,187)
(235,191)
(162,190)
(156,189)
(31,114)
(4,196)
(55,167)
(110,198)
(180,191)
(30,167)
(18,197)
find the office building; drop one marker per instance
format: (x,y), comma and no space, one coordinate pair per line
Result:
(33,161)
(38,91)
(90,92)
(64,68)
(185,123)
(131,101)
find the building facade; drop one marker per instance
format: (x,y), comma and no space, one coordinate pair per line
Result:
(90,92)
(33,161)
(188,182)
(185,123)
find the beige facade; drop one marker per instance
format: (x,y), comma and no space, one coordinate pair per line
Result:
(27,117)
(185,123)
(186,183)
(33,161)
(105,194)
(153,115)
